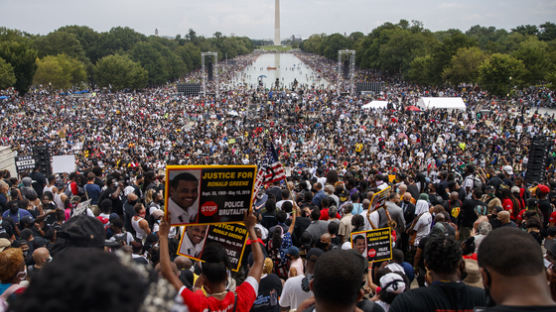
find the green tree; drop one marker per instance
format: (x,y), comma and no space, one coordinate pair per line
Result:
(332,44)
(500,72)
(120,72)
(421,70)
(451,41)
(148,54)
(190,55)
(60,42)
(489,39)
(60,71)
(7,76)
(464,66)
(400,49)
(313,44)
(22,57)
(551,78)
(526,30)
(88,38)
(118,41)
(534,55)
(50,73)
(548,31)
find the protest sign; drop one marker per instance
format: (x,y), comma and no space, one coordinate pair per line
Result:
(208,194)
(24,163)
(63,164)
(375,245)
(379,198)
(231,237)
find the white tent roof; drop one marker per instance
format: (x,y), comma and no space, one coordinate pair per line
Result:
(375,105)
(441,102)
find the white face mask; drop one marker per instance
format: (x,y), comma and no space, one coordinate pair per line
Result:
(22,275)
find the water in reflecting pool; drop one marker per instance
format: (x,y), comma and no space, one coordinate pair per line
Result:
(284,66)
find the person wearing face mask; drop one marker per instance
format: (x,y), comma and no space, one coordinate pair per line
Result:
(15,213)
(129,211)
(41,256)
(513,272)
(138,222)
(445,291)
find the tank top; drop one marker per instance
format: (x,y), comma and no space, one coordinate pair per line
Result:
(139,232)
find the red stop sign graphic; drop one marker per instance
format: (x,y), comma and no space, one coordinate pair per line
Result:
(209,208)
(371,253)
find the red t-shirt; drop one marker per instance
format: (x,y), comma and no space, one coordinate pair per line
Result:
(509,206)
(324,215)
(198,302)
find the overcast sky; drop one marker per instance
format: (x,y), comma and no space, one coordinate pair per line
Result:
(255,18)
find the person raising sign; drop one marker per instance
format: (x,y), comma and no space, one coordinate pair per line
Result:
(214,274)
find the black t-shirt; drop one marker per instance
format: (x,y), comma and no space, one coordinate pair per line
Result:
(468,215)
(520,309)
(369,306)
(270,289)
(544,206)
(440,297)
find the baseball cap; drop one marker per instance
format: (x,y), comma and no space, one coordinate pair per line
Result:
(293,251)
(508,170)
(4,243)
(346,245)
(473,277)
(552,218)
(128,190)
(158,213)
(83,231)
(392,283)
(543,188)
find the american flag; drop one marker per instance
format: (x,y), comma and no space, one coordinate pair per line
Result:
(270,170)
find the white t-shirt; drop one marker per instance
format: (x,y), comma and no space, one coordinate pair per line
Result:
(422,227)
(292,293)
(374,218)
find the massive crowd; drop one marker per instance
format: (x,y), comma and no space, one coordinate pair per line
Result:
(462,213)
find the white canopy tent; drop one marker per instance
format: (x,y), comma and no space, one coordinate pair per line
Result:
(375,105)
(441,102)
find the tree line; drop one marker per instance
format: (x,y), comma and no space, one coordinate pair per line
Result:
(494,59)
(78,56)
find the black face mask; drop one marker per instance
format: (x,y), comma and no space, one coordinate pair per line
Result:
(489,300)
(322,245)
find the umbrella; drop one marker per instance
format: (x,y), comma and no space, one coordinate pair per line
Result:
(413,108)
(3,97)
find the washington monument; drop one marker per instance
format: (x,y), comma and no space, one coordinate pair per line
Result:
(277,23)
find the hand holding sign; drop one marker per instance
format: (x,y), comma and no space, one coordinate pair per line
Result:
(250,220)
(164,228)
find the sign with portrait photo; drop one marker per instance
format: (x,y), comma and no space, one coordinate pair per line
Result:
(231,237)
(375,245)
(208,194)
(379,198)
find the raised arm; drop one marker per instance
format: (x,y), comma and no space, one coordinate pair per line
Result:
(258,257)
(165,266)
(294,216)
